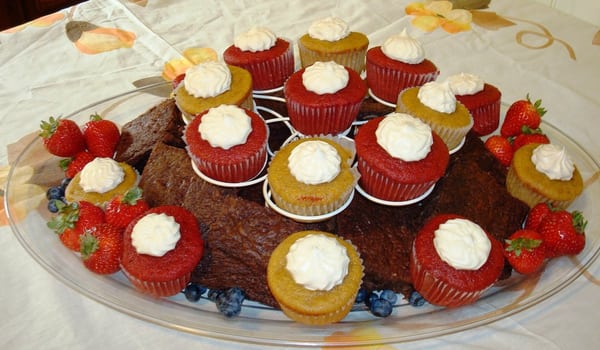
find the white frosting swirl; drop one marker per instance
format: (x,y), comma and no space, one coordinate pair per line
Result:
(329,29)
(404,136)
(207,79)
(317,262)
(101,175)
(462,244)
(437,96)
(255,39)
(155,234)
(225,126)
(553,161)
(325,77)
(314,162)
(404,48)
(465,84)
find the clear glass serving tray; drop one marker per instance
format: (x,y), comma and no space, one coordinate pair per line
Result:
(262,325)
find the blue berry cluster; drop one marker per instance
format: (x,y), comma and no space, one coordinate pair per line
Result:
(415,299)
(380,304)
(228,301)
(56,195)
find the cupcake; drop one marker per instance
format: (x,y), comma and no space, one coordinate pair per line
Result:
(454,261)
(436,105)
(544,173)
(324,98)
(312,176)
(161,248)
(398,64)
(210,84)
(481,99)
(399,157)
(100,180)
(315,276)
(269,59)
(227,143)
(330,39)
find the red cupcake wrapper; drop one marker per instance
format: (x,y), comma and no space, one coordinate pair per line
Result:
(233,173)
(436,291)
(321,120)
(387,83)
(159,289)
(486,118)
(382,187)
(272,73)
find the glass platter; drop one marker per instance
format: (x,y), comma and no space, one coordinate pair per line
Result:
(262,325)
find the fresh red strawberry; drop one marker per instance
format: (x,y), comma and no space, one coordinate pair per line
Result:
(101,248)
(72,166)
(73,219)
(178,79)
(525,251)
(501,148)
(122,209)
(563,233)
(101,136)
(529,135)
(522,113)
(536,215)
(62,137)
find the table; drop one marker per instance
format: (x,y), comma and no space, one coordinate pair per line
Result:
(99,48)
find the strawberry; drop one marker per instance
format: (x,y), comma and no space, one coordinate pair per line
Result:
(122,209)
(520,113)
(73,219)
(563,233)
(529,135)
(101,248)
(501,148)
(72,166)
(101,136)
(536,215)
(62,137)
(524,251)
(178,79)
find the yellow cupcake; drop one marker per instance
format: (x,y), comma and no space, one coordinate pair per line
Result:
(329,39)
(239,93)
(323,294)
(451,126)
(326,189)
(103,178)
(525,182)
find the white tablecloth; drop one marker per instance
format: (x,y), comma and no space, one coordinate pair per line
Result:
(519,46)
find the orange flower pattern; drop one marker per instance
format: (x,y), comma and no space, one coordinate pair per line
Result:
(430,15)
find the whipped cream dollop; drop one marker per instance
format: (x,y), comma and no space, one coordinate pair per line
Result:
(462,244)
(317,262)
(314,162)
(404,48)
(101,175)
(325,77)
(207,79)
(404,136)
(554,161)
(225,126)
(329,29)
(465,84)
(255,39)
(437,96)
(155,234)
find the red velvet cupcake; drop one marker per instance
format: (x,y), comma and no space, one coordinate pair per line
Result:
(324,98)
(227,143)
(480,98)
(161,248)
(399,157)
(454,261)
(270,60)
(398,64)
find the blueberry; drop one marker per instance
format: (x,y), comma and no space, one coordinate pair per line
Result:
(370,298)
(55,192)
(415,299)
(65,182)
(236,293)
(213,294)
(389,295)
(381,307)
(54,205)
(361,296)
(193,292)
(228,304)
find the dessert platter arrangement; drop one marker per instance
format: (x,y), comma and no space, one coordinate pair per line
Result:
(359,187)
